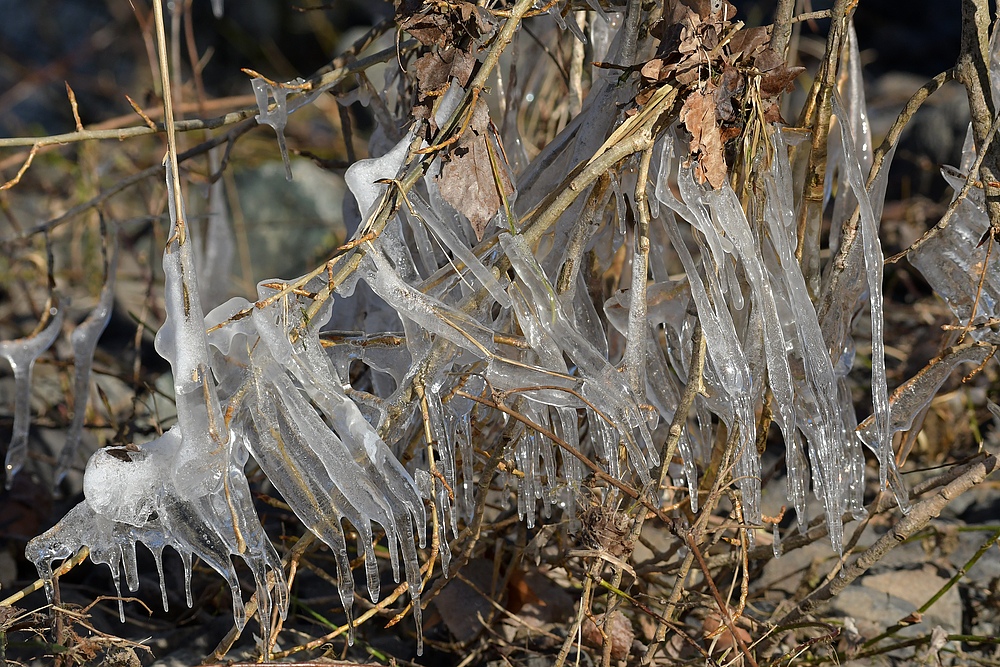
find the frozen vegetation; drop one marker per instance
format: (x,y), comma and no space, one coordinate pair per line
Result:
(452,320)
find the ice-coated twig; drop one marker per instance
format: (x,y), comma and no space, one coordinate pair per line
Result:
(277,118)
(911,397)
(84,339)
(21,355)
(636,348)
(873,262)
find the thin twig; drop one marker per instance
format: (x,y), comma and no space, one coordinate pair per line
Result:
(38,584)
(919,516)
(724,611)
(970,181)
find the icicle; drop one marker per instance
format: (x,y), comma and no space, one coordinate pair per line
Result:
(873,262)
(724,349)
(215,256)
(157,550)
(21,355)
(186,564)
(460,249)
(851,85)
(84,340)
(607,386)
(688,458)
(264,92)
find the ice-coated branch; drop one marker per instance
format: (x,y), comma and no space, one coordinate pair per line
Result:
(919,516)
(277,117)
(21,355)
(84,339)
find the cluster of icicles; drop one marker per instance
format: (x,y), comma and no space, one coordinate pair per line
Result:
(283,403)
(260,380)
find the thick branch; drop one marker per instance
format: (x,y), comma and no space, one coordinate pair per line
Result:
(811,216)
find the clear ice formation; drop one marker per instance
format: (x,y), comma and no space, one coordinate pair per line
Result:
(955,260)
(21,355)
(432,314)
(764,325)
(185,489)
(260,385)
(214,255)
(267,94)
(84,339)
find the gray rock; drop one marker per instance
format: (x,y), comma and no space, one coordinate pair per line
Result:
(915,587)
(290,224)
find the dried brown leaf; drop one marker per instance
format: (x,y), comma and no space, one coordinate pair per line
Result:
(617,628)
(477,21)
(467,180)
(748,41)
(699,117)
(776,76)
(431,70)
(434,70)
(651,70)
(429,29)
(779,80)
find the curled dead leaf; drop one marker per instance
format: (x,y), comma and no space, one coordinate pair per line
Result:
(699,117)
(776,75)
